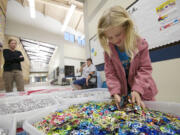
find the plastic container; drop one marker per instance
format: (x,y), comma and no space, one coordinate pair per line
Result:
(8,123)
(23,115)
(28,124)
(20,104)
(11,94)
(96,93)
(173,108)
(167,107)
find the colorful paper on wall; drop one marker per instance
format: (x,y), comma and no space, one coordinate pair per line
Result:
(167,14)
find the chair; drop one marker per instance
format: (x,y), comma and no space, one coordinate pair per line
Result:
(92,83)
(64,81)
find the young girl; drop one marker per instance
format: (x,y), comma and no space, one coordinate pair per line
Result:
(127,62)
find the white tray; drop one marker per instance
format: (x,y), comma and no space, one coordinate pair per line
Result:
(8,123)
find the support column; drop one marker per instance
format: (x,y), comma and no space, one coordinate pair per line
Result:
(86,31)
(61,64)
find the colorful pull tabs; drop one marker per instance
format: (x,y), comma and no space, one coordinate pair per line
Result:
(125,100)
(103,118)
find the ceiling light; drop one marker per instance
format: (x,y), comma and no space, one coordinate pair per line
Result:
(68,17)
(32,8)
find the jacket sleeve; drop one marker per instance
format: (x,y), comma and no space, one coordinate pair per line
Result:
(112,81)
(20,59)
(143,73)
(7,56)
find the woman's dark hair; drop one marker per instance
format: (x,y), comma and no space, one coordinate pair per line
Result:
(89,59)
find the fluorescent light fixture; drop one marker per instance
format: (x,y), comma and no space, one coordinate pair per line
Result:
(68,17)
(32,8)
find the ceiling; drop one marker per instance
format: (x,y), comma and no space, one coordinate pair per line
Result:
(58,9)
(38,51)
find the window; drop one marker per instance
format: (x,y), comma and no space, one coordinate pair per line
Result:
(79,40)
(83,42)
(71,38)
(66,36)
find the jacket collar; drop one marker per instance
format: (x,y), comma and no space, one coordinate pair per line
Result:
(140,47)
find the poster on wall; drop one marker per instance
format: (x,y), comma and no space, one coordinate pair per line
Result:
(97,52)
(157,21)
(168,14)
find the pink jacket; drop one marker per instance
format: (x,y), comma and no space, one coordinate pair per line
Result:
(139,78)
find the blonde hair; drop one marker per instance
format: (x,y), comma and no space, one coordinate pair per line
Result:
(11,39)
(118,16)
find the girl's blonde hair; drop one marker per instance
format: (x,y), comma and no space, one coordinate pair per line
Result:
(118,16)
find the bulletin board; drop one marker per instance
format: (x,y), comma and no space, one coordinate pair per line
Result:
(97,52)
(158,21)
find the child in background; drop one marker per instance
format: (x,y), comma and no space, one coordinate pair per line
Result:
(127,63)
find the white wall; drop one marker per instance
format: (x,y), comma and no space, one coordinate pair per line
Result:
(74,51)
(92,4)
(167,77)
(54,62)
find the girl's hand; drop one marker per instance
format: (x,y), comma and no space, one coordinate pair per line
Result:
(117,99)
(136,98)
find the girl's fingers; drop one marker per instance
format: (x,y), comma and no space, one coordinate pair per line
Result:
(138,100)
(133,98)
(117,99)
(143,105)
(117,104)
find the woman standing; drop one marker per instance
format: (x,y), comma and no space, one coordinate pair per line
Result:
(12,67)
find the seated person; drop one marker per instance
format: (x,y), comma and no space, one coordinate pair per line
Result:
(87,71)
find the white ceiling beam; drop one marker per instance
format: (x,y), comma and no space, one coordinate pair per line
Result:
(61,5)
(32,8)
(76,27)
(68,17)
(44,9)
